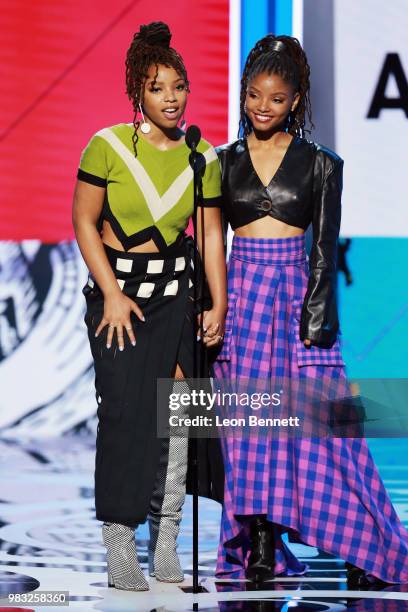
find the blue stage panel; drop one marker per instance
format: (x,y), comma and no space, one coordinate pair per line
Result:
(282,17)
(254,24)
(374,309)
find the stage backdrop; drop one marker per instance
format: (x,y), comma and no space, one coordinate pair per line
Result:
(63,78)
(359,63)
(371,85)
(62,67)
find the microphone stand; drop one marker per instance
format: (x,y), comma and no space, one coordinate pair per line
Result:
(198,368)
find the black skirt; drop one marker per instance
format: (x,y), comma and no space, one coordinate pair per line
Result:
(127,446)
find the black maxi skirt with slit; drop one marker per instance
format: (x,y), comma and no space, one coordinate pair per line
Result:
(128,449)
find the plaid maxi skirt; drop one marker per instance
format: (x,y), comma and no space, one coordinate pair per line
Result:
(323,492)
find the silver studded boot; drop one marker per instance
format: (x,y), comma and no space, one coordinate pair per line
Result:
(124,571)
(166,506)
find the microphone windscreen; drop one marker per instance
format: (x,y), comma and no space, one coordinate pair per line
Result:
(193,136)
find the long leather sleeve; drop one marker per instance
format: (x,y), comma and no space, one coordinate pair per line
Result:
(319,318)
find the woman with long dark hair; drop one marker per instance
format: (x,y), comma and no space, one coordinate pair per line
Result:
(282,325)
(133,202)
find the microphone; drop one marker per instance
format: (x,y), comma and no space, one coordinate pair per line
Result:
(193,137)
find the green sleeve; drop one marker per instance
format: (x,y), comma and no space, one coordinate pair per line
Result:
(93,166)
(211,180)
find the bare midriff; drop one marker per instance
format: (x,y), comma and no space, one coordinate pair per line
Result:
(267,227)
(109,238)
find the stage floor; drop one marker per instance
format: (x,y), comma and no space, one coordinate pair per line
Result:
(50,541)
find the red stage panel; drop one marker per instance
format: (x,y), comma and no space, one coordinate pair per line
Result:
(62,78)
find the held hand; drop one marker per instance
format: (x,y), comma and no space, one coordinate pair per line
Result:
(116,315)
(213,326)
(307,343)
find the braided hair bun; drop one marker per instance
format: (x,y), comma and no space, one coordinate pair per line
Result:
(155,34)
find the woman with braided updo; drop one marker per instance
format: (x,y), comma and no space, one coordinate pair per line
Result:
(281,331)
(133,202)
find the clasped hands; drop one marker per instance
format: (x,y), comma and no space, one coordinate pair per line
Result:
(213,328)
(212,323)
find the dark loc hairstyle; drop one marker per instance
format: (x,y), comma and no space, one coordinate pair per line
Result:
(150,45)
(282,55)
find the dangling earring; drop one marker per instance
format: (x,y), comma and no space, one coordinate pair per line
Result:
(145,127)
(183,123)
(246,123)
(290,120)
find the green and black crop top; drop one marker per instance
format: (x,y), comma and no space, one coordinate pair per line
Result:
(149,196)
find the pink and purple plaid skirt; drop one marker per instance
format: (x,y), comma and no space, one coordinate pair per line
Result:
(323,492)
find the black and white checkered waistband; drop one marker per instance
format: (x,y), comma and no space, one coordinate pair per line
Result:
(147,272)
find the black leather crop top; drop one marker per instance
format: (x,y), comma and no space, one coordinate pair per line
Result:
(305,189)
